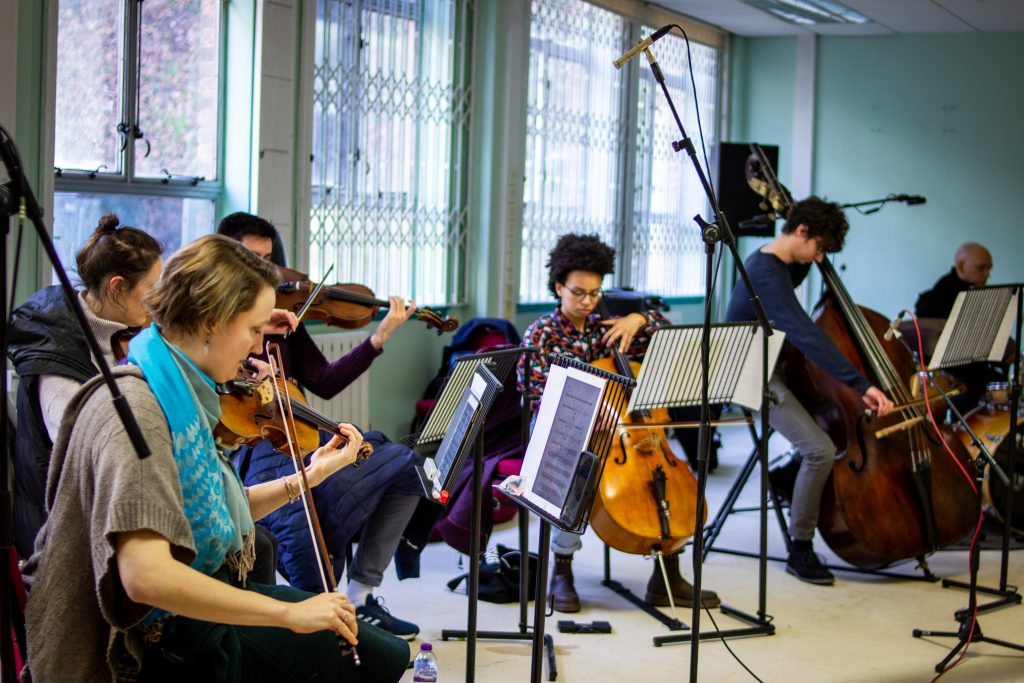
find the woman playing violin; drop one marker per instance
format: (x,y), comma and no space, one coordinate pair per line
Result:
(158,590)
(576,268)
(117,266)
(379,497)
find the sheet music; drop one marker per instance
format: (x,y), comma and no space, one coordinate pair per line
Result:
(978,327)
(456,433)
(568,410)
(670,375)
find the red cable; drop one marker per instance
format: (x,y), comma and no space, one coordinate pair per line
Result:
(970,479)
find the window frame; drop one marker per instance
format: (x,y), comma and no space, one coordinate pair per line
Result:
(636,18)
(454,278)
(125,182)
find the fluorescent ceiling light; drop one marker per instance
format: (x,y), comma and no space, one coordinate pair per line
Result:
(810,12)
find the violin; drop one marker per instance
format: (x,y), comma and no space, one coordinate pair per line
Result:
(647,497)
(348,306)
(250,412)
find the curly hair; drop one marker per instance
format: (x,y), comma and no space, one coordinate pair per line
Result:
(825,222)
(578,252)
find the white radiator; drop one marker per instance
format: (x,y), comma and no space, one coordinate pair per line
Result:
(352,404)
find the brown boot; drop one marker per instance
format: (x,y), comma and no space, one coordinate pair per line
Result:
(682,590)
(563,590)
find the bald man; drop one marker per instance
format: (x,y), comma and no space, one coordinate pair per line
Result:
(972,264)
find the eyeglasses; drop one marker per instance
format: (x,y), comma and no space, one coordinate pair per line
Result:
(581,294)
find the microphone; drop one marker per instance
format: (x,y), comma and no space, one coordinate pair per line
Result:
(894,327)
(909,199)
(641,46)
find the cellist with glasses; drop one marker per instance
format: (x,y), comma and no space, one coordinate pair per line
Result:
(576,267)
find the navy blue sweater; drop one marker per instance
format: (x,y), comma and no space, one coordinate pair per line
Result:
(774,281)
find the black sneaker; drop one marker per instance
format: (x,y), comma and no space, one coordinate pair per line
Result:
(805,565)
(374,612)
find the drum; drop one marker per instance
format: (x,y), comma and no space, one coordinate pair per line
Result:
(990,424)
(997,396)
(994,490)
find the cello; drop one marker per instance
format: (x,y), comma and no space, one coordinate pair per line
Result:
(647,497)
(894,493)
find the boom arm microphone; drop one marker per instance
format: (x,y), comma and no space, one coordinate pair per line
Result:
(908,199)
(641,46)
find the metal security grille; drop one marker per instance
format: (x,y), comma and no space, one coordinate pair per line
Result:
(667,252)
(391,105)
(582,159)
(575,133)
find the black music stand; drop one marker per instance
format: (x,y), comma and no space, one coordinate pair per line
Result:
(502,362)
(464,432)
(977,330)
(740,362)
(561,490)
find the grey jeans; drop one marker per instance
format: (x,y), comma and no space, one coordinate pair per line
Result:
(381,535)
(817,452)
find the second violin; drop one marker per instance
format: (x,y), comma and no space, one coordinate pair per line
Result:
(349,306)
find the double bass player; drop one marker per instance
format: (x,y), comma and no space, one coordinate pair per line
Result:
(813,227)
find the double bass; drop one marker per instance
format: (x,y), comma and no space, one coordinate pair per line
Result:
(895,492)
(647,497)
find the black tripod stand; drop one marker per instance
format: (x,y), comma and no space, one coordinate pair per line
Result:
(711,234)
(970,629)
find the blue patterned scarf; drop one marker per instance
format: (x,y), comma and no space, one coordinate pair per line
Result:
(200,471)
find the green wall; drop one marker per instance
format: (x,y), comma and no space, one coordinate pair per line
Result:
(929,114)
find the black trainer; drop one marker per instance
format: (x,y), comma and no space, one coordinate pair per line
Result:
(805,565)
(374,612)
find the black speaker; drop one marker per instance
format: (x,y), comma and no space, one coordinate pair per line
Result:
(737,200)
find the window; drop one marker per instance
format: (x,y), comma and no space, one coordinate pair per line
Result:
(575,133)
(667,254)
(390,145)
(137,118)
(589,145)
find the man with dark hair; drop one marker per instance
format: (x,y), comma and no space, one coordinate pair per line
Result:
(576,267)
(812,228)
(379,497)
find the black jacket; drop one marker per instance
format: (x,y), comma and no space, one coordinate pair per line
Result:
(44,339)
(938,301)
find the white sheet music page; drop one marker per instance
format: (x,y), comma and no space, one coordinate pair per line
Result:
(568,411)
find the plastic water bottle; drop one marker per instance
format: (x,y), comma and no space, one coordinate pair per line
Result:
(424,667)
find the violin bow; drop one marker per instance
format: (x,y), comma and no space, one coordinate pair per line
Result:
(305,492)
(310,299)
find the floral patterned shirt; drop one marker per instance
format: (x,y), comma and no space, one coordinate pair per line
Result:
(553,333)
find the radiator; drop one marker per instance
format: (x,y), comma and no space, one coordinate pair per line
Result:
(353,404)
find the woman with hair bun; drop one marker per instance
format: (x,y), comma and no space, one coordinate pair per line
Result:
(117,265)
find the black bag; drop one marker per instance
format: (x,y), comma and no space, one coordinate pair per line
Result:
(499,581)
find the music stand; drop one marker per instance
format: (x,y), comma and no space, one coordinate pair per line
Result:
(977,330)
(502,363)
(581,405)
(737,374)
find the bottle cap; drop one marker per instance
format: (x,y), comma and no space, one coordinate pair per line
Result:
(426,647)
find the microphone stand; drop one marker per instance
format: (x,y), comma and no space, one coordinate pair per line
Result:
(29,207)
(711,234)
